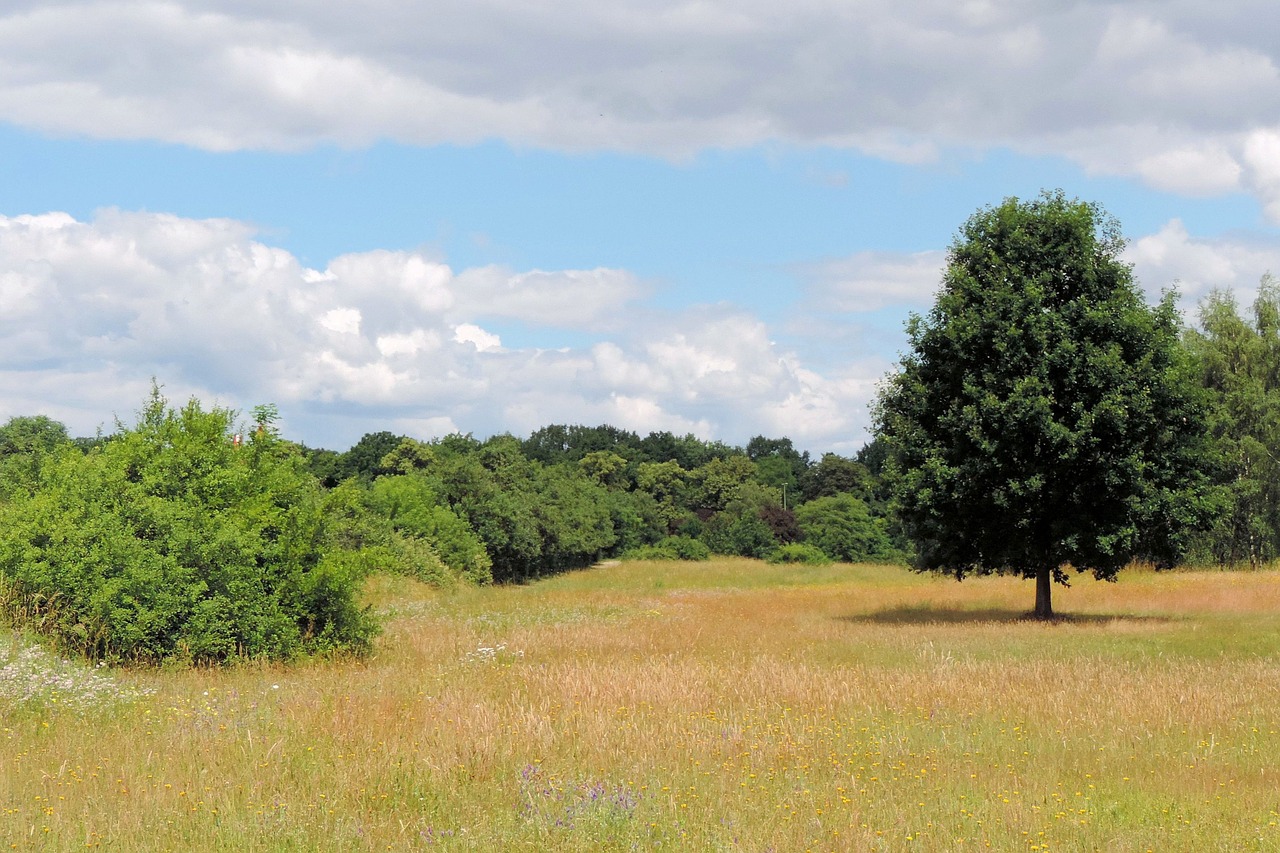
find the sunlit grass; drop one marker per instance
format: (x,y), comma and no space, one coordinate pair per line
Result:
(715,706)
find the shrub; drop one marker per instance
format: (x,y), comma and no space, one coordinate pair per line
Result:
(671,548)
(172,542)
(411,506)
(689,549)
(798,552)
(740,534)
(636,519)
(843,528)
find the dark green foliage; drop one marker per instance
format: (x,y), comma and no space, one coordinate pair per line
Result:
(798,552)
(323,465)
(533,519)
(637,519)
(1043,416)
(727,500)
(551,444)
(560,443)
(778,463)
(842,528)
(32,434)
(671,548)
(170,542)
(409,504)
(86,443)
(502,517)
(778,473)
(574,519)
(1238,362)
(326,603)
(364,459)
(760,447)
(873,455)
(687,451)
(742,534)
(456,443)
(835,475)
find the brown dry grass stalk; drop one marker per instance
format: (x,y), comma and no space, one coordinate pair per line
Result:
(716,706)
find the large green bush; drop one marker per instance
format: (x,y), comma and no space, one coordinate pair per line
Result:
(798,552)
(172,542)
(533,519)
(842,527)
(671,548)
(742,534)
(410,504)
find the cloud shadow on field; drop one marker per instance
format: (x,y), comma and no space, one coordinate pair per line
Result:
(928,614)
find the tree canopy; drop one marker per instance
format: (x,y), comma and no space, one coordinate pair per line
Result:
(1238,362)
(1043,417)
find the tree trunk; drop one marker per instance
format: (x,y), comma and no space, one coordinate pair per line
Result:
(1044,593)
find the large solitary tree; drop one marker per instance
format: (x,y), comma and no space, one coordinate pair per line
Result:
(1043,418)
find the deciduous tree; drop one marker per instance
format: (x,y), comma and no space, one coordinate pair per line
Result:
(1043,418)
(1239,364)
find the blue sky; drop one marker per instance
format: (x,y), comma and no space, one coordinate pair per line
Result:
(704,217)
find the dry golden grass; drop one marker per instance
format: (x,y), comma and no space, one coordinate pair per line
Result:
(722,706)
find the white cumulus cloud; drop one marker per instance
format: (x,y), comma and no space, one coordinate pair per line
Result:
(90,311)
(1194,266)
(469,333)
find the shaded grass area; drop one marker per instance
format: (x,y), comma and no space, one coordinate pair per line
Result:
(930,615)
(716,706)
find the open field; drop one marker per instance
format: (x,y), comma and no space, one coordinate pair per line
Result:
(717,706)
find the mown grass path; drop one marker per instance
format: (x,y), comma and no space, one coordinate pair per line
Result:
(721,706)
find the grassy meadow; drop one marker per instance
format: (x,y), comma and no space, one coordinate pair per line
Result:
(728,705)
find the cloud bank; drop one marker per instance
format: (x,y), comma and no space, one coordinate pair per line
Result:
(1183,95)
(90,311)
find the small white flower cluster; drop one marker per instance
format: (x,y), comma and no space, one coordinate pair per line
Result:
(30,674)
(489,654)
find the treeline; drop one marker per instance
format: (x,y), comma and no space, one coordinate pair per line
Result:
(568,496)
(175,539)
(189,537)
